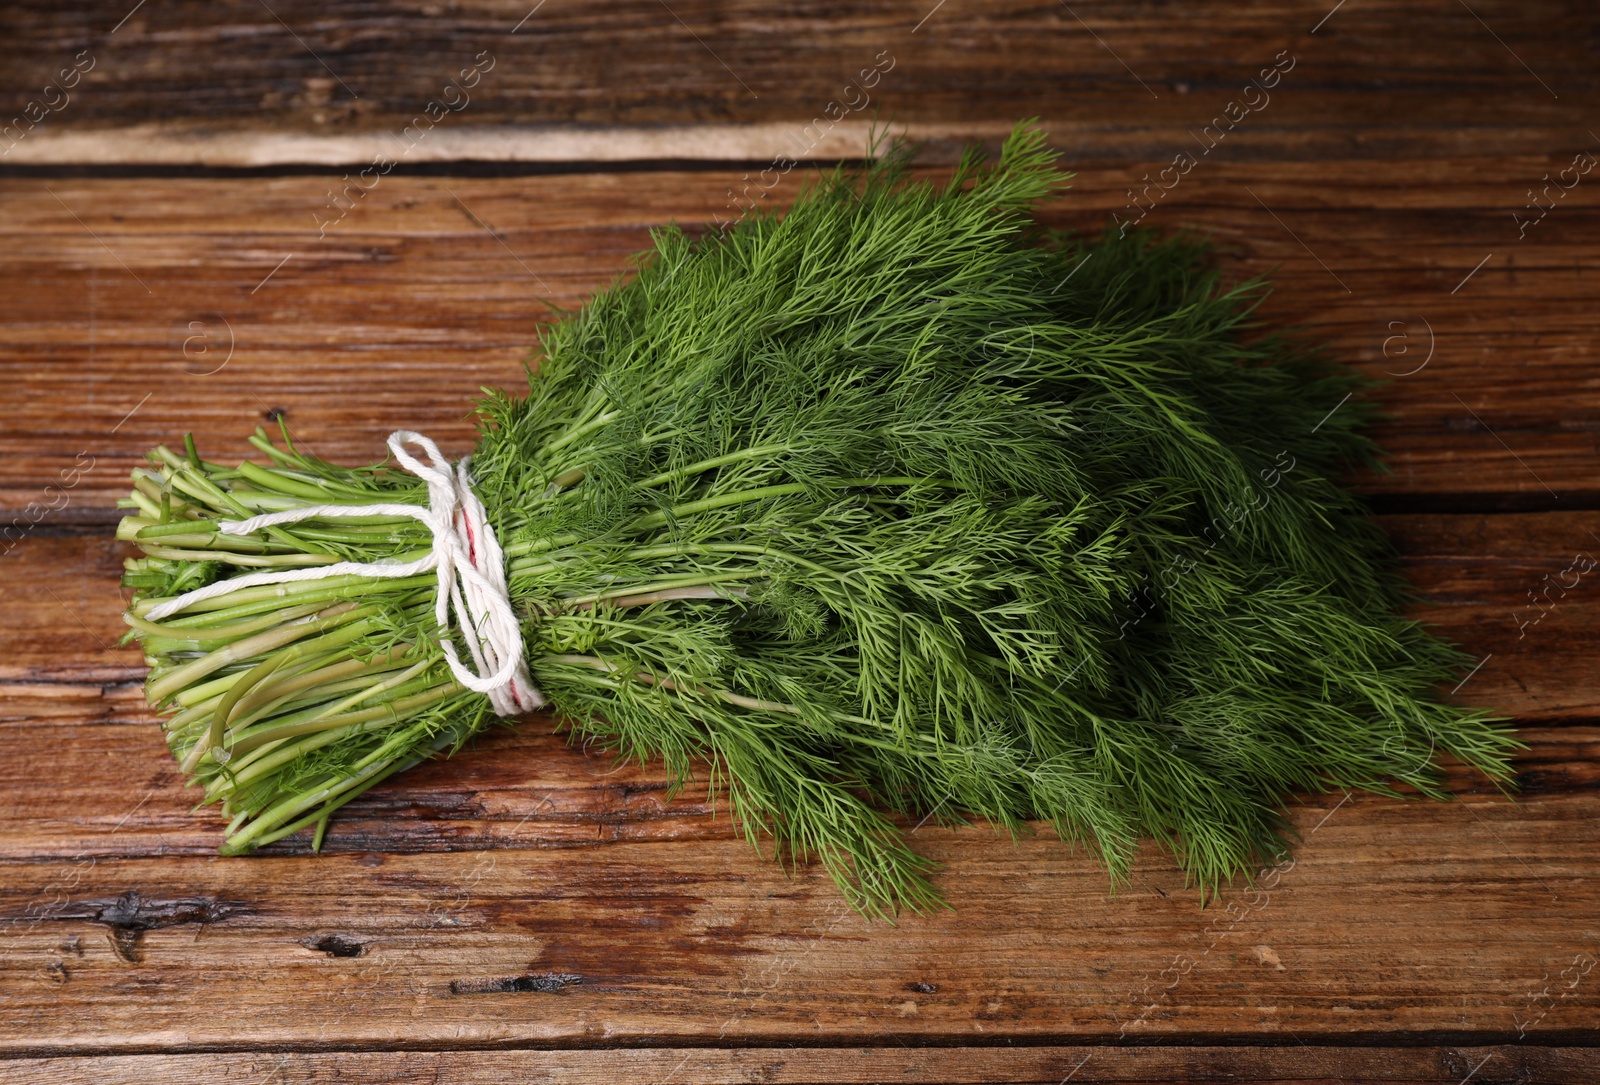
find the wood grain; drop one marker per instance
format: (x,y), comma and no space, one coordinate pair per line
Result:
(458,896)
(527,789)
(236,83)
(1364,939)
(1508,588)
(179,253)
(1299,1063)
(142,309)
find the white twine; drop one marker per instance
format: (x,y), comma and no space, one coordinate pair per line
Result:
(472,575)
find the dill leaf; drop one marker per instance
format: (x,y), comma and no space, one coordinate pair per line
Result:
(893,507)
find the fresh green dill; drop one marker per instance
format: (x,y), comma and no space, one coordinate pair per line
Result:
(895,506)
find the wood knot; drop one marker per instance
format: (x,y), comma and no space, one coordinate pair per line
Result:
(335,945)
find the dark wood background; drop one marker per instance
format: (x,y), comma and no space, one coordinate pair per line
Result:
(525,913)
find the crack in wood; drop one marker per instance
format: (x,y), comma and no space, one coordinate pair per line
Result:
(539,982)
(127,917)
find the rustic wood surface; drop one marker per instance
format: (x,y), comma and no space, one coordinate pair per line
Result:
(1302,1064)
(177,256)
(145,308)
(247,83)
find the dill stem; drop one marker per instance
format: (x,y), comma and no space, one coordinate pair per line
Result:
(278,689)
(149,487)
(665,595)
(210,740)
(662,585)
(584,429)
(268,756)
(284,484)
(348,615)
(205,634)
(369,770)
(737,456)
(637,553)
(654,520)
(255,834)
(270,596)
(264,561)
(332,717)
(198,486)
(351,787)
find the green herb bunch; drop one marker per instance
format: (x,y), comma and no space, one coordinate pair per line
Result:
(894,507)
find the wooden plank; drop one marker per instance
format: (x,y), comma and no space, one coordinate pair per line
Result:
(1510,589)
(1475,572)
(523,912)
(454,899)
(66,595)
(145,308)
(238,84)
(62,670)
(1302,1064)
(527,788)
(1464,923)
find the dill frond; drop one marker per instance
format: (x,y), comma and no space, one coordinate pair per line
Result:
(895,506)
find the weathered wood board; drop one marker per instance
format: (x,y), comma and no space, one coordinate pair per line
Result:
(247,83)
(187,244)
(143,309)
(451,898)
(1302,1064)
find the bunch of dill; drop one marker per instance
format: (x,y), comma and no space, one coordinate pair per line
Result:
(895,506)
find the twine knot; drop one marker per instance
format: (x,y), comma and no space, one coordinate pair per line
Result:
(470,563)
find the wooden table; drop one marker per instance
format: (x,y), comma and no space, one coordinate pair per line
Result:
(190,245)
